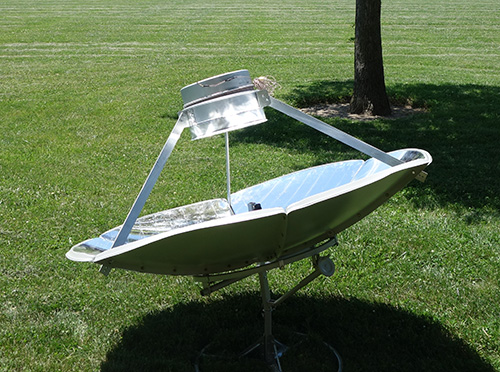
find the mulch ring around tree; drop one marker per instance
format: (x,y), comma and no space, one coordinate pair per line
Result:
(341,110)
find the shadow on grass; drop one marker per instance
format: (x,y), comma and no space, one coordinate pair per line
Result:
(461,130)
(369,337)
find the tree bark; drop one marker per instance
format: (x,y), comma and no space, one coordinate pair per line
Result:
(370,95)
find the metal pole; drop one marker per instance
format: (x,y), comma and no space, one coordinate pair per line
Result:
(268,322)
(228,170)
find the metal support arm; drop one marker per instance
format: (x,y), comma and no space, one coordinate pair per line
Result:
(335,133)
(212,283)
(340,136)
(136,209)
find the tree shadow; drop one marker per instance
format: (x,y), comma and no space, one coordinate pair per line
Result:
(460,128)
(368,336)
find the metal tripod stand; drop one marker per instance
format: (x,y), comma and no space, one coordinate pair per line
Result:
(270,349)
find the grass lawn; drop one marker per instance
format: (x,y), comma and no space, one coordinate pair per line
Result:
(89,91)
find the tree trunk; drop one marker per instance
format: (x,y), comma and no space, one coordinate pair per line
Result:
(369,95)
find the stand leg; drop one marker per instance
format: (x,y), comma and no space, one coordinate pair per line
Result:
(269,346)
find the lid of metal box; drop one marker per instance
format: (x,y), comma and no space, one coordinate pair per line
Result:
(216,86)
